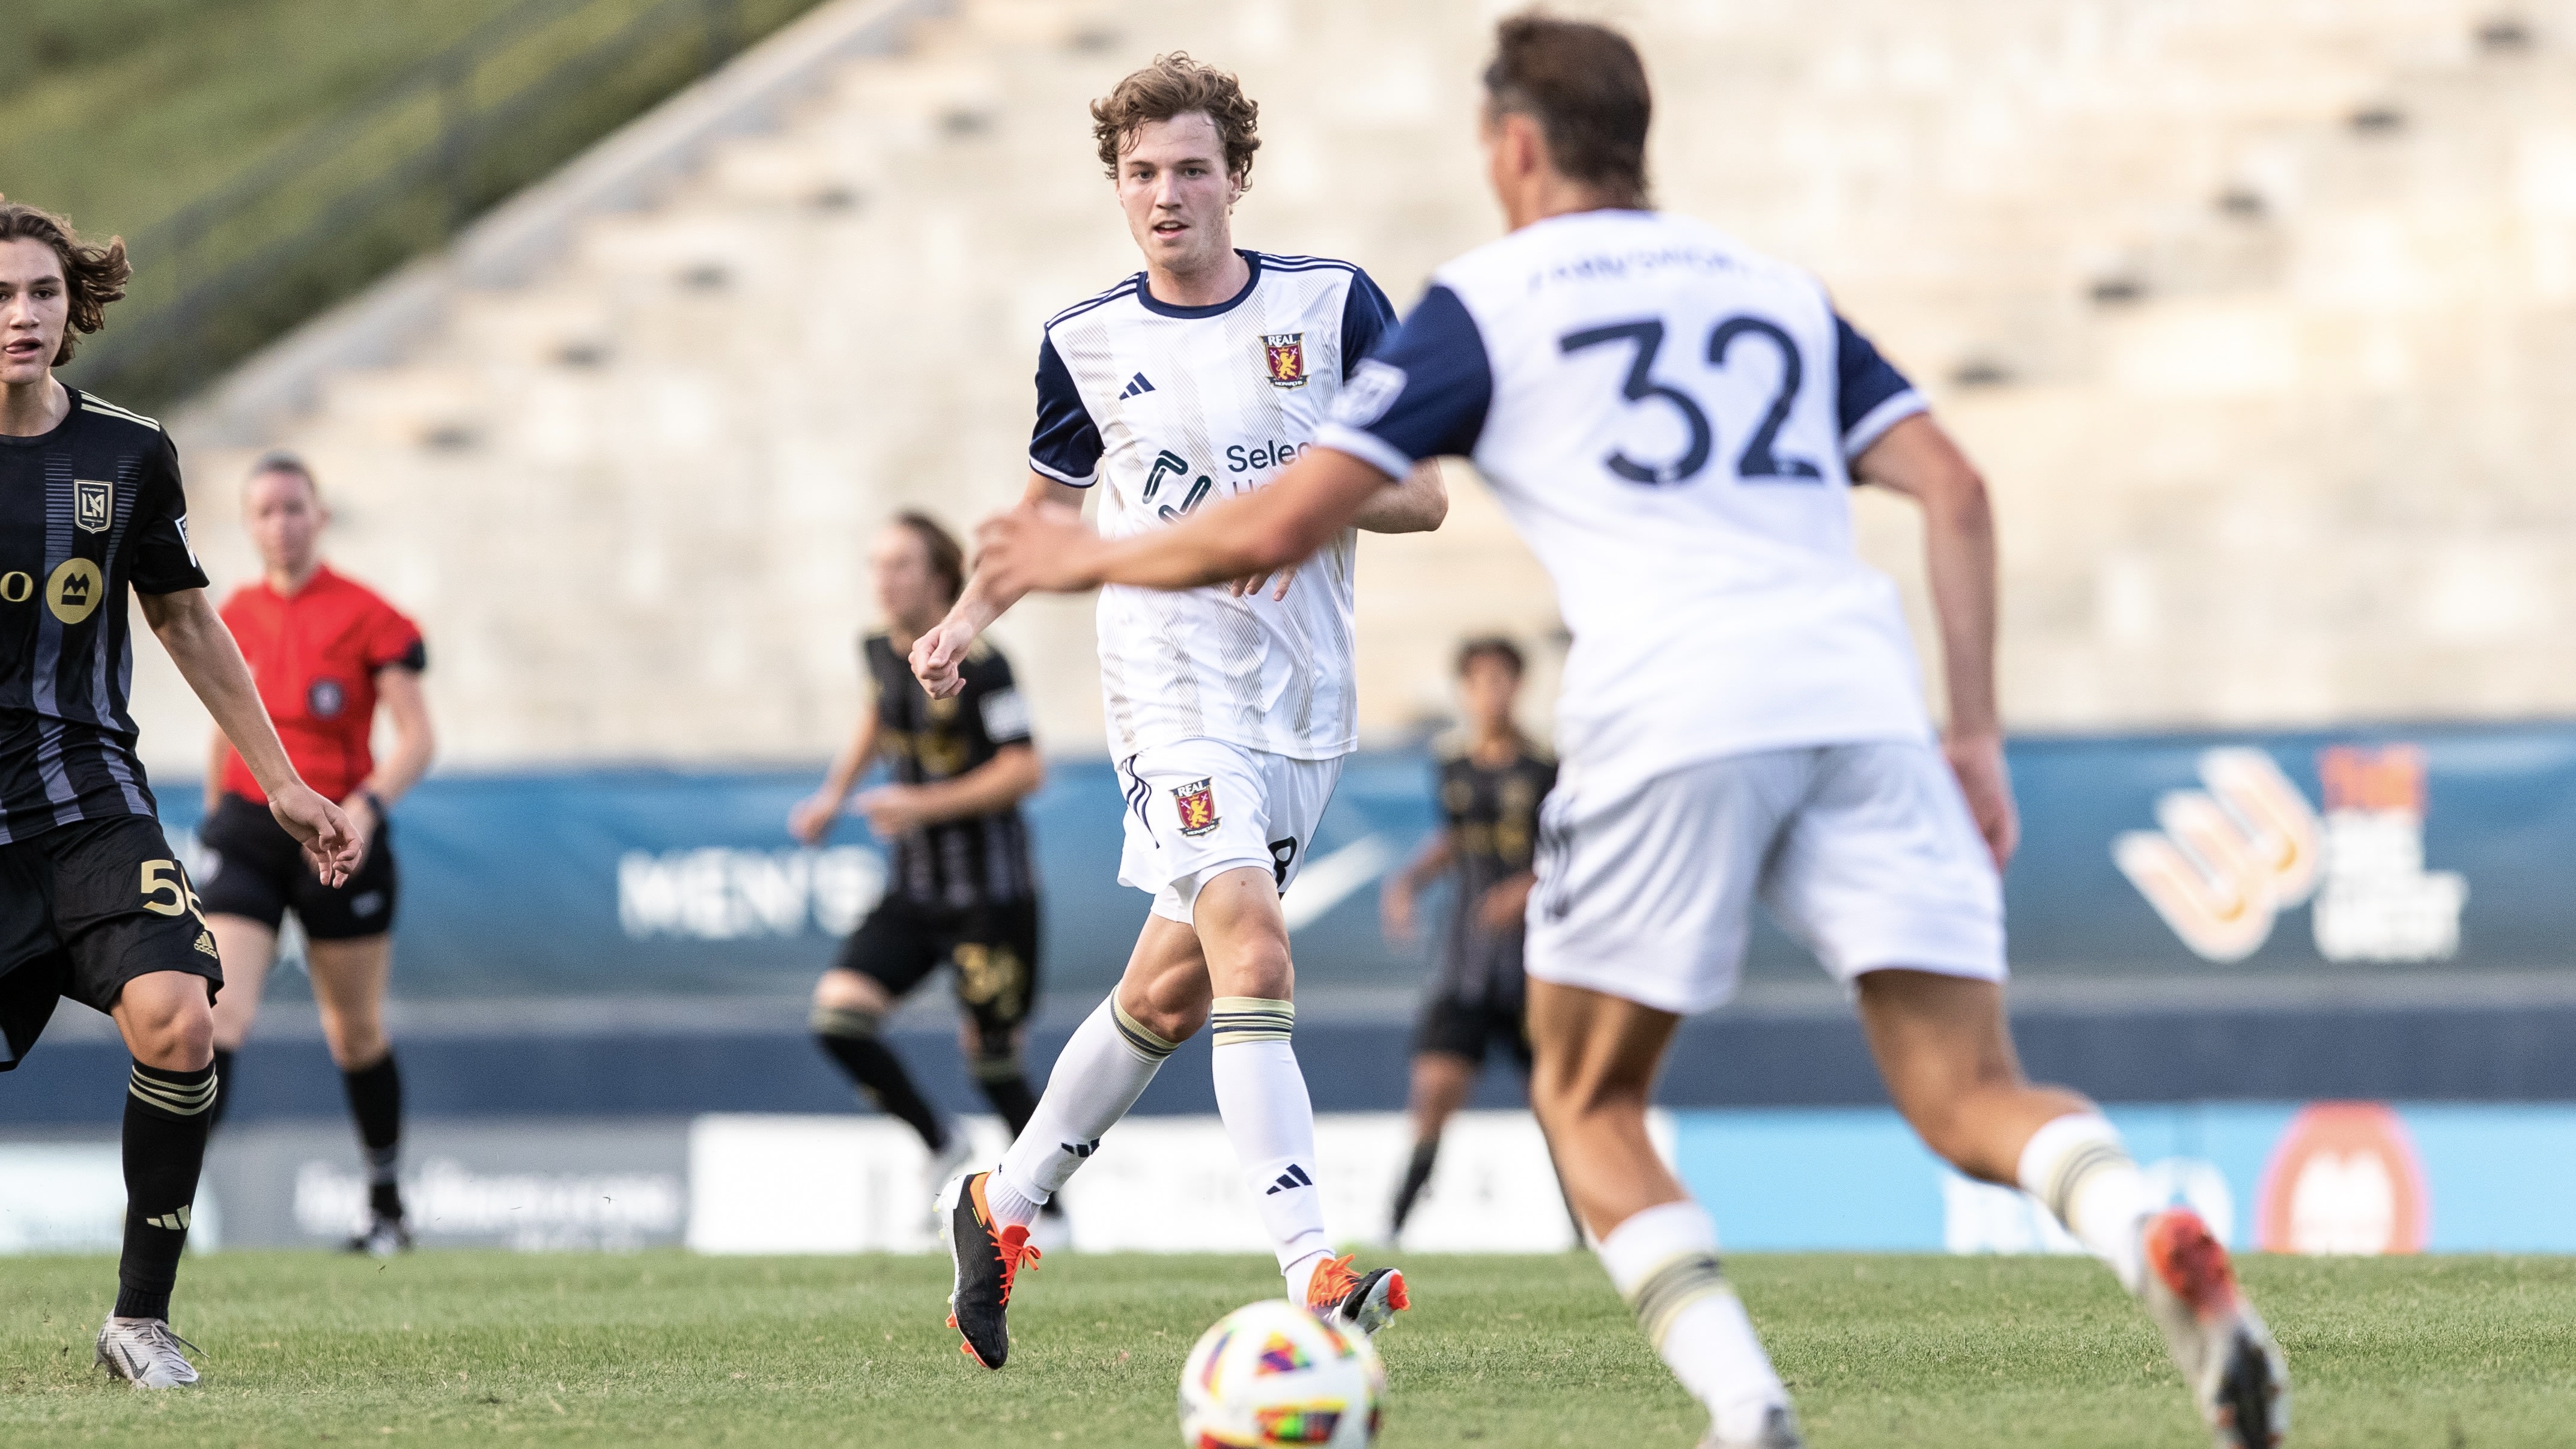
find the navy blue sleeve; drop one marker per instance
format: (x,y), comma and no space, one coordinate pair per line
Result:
(1366,316)
(1870,396)
(1423,395)
(1065,445)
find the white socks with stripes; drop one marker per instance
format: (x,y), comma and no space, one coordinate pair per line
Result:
(1664,1262)
(1261,1094)
(1102,1070)
(2078,1166)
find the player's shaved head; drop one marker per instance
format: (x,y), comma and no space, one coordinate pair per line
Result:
(93,276)
(1586,88)
(1175,85)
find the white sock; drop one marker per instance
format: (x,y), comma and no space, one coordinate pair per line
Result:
(2080,1169)
(1664,1262)
(1271,1122)
(1101,1072)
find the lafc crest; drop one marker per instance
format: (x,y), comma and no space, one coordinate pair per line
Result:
(93,504)
(1285,355)
(1197,804)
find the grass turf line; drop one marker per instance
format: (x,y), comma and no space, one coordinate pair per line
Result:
(662,1348)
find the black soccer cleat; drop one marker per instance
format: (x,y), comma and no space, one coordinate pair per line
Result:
(988,1259)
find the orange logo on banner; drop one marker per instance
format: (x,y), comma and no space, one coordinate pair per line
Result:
(2344,1179)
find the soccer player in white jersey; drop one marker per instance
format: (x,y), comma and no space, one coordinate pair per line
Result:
(1672,420)
(1230,707)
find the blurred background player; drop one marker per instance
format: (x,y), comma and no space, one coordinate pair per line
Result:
(1230,710)
(94,905)
(1490,782)
(961,892)
(1672,421)
(327,652)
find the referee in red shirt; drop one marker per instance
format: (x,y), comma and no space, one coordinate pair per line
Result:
(326,652)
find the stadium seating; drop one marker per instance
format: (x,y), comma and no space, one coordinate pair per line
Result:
(2256,315)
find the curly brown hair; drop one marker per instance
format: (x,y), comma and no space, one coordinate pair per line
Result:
(1175,85)
(94,276)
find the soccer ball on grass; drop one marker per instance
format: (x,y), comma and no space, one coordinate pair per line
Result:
(1271,1373)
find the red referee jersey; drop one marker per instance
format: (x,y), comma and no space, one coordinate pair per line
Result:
(315,654)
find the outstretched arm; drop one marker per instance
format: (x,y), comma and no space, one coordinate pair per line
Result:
(1047,548)
(937,654)
(1416,505)
(189,627)
(1916,458)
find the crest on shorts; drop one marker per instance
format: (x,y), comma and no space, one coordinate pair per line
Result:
(1197,802)
(93,504)
(1285,352)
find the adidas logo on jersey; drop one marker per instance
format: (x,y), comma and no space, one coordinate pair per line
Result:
(1135,385)
(1294,1177)
(176,1220)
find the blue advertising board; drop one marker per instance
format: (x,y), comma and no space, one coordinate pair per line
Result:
(2346,853)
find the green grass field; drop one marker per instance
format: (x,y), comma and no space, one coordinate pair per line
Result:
(661,1348)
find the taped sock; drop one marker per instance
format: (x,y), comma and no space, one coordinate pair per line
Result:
(166,1115)
(1664,1263)
(1261,1097)
(2080,1169)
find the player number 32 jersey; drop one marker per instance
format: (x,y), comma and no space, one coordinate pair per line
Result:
(1667,417)
(1168,408)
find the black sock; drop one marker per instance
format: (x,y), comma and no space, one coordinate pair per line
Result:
(849,1037)
(1416,1173)
(375,1100)
(223,1090)
(1007,1088)
(165,1149)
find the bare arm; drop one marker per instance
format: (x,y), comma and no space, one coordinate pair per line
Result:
(1416,505)
(217,756)
(188,627)
(1013,774)
(812,818)
(415,740)
(936,655)
(1916,458)
(1322,493)
(1395,897)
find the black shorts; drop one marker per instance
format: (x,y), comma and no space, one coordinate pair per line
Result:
(1463,1028)
(259,871)
(85,908)
(994,950)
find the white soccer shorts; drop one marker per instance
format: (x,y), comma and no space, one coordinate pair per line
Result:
(1864,853)
(1202,807)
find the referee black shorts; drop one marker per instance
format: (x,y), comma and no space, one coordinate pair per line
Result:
(86,908)
(260,872)
(993,948)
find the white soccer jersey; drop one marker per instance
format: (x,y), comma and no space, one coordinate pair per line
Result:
(1666,415)
(1170,407)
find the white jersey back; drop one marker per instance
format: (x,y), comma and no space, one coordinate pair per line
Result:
(1169,407)
(1666,415)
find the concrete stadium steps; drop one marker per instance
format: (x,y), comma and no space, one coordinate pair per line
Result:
(2256,315)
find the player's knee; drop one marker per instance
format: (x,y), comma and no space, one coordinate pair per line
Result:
(849,991)
(845,1021)
(169,1027)
(356,1044)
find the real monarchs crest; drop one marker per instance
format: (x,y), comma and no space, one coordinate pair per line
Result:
(1285,354)
(1197,804)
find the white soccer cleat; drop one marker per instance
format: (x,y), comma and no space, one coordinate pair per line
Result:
(2238,1379)
(1779,1431)
(145,1353)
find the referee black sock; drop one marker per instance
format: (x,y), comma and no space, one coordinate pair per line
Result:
(223,1090)
(1416,1173)
(165,1148)
(375,1101)
(850,1038)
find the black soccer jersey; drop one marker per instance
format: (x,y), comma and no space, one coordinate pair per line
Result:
(956,864)
(86,511)
(1492,817)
